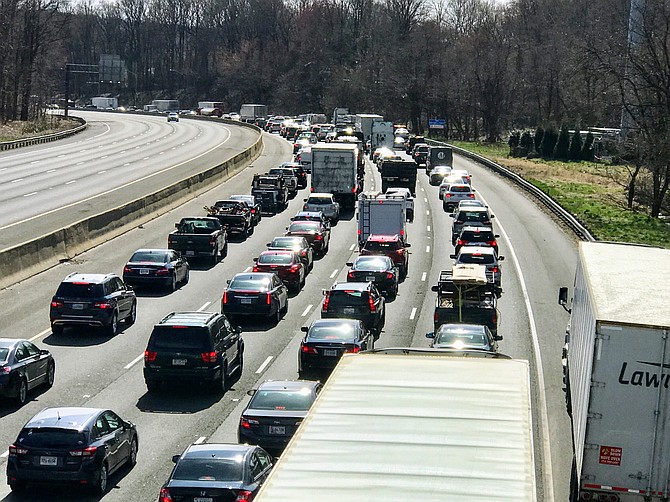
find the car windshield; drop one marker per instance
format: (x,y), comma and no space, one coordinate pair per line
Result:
(80,290)
(284,400)
(179,337)
(456,338)
(288,242)
(345,298)
(477,236)
(373,263)
(472,216)
(303,227)
(244,198)
(150,257)
(381,246)
(225,204)
(331,331)
(460,189)
(250,283)
(209,469)
(480,258)
(319,200)
(47,437)
(275,258)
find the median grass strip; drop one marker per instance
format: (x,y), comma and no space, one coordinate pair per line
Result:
(590,191)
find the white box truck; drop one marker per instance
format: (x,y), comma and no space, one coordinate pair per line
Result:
(380,214)
(335,170)
(364,123)
(105,103)
(397,425)
(382,136)
(616,372)
(251,112)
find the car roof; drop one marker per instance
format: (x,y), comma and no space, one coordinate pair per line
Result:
(10,342)
(241,196)
(288,237)
(254,275)
(288,384)
(335,322)
(477,229)
(313,214)
(468,208)
(477,250)
(320,194)
(187,318)
(371,257)
(462,327)
(88,278)
(277,252)
(346,286)
(383,238)
(452,185)
(217,450)
(64,418)
(153,251)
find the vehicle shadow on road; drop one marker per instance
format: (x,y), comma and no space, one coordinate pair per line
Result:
(10,406)
(82,337)
(179,399)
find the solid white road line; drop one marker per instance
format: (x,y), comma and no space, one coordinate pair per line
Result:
(70,182)
(264,365)
(427,228)
(413,314)
(134,361)
(306,311)
(546,445)
(204,306)
(423,277)
(200,440)
(427,249)
(39,335)
(334,273)
(29,194)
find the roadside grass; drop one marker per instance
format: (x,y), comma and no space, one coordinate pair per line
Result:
(49,124)
(592,192)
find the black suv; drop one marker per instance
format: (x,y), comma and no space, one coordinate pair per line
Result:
(193,346)
(77,445)
(355,300)
(92,300)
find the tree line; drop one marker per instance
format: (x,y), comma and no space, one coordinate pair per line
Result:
(485,67)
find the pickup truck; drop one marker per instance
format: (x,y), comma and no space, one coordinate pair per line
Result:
(199,236)
(290,179)
(324,202)
(253,205)
(466,294)
(235,215)
(274,185)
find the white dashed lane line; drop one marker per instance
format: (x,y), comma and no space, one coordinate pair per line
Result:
(423,277)
(427,212)
(51,171)
(413,314)
(102,172)
(427,228)
(427,249)
(134,362)
(16,180)
(352,247)
(39,335)
(6,454)
(70,182)
(334,273)
(306,311)
(29,194)
(200,440)
(204,306)
(264,365)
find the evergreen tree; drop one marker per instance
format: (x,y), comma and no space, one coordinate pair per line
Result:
(563,144)
(587,147)
(526,142)
(549,139)
(513,142)
(539,134)
(575,152)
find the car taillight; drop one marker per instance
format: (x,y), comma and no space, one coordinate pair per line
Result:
(127,270)
(353,189)
(164,495)
(326,301)
(306,349)
(149,356)
(246,423)
(311,189)
(212,241)
(491,243)
(294,268)
(17,450)
(253,211)
(244,496)
(57,303)
(209,357)
(435,316)
(303,252)
(494,270)
(268,298)
(471,195)
(350,275)
(103,305)
(389,275)
(353,350)
(495,317)
(446,195)
(163,271)
(255,269)
(84,452)
(461,242)
(4,370)
(400,251)
(318,237)
(224,300)
(371,302)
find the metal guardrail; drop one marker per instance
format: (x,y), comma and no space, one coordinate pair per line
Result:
(569,219)
(35,140)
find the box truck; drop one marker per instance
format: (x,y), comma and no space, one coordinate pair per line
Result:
(335,170)
(398,425)
(616,369)
(251,112)
(364,123)
(105,103)
(380,214)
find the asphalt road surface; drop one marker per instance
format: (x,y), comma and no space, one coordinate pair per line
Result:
(94,370)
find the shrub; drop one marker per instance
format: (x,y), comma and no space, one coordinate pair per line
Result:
(539,135)
(513,141)
(549,140)
(575,152)
(587,147)
(563,144)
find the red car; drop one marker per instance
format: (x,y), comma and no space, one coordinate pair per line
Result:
(286,264)
(391,246)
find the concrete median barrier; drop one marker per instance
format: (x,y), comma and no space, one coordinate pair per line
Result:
(29,258)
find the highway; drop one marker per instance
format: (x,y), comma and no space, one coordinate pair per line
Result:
(93,370)
(118,158)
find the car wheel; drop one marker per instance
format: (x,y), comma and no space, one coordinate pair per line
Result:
(132,316)
(173,283)
(22,392)
(100,484)
(284,310)
(132,456)
(51,374)
(225,250)
(215,257)
(57,329)
(153,385)
(187,276)
(113,325)
(18,486)
(240,363)
(445,208)
(221,385)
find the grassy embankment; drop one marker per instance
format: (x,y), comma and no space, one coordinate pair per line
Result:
(593,192)
(48,124)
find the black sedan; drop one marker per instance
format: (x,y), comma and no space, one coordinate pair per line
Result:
(464,337)
(162,267)
(82,446)
(217,472)
(254,294)
(378,269)
(23,367)
(326,340)
(275,412)
(314,232)
(297,244)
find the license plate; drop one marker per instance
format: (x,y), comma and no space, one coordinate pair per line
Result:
(349,310)
(245,300)
(370,278)
(48,460)
(203,499)
(179,362)
(277,429)
(190,253)
(330,352)
(144,271)
(77,306)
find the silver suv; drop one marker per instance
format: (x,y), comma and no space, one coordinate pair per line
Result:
(482,255)
(455,193)
(325,203)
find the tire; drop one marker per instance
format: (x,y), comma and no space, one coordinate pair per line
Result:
(22,392)
(187,277)
(153,386)
(173,283)
(240,363)
(100,483)
(132,456)
(132,316)
(224,253)
(51,375)
(221,385)
(113,327)
(215,258)
(284,311)
(57,329)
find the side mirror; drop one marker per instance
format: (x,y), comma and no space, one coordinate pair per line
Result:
(255,260)
(176,225)
(496,236)
(251,392)
(501,258)
(408,245)
(304,200)
(452,215)
(434,289)
(493,216)
(304,329)
(228,281)
(497,338)
(129,287)
(349,264)
(430,335)
(44,352)
(268,244)
(563,296)
(473,190)
(324,291)
(238,330)
(286,228)
(175,458)
(453,256)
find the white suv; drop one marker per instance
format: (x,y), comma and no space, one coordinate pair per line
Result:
(456,193)
(325,203)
